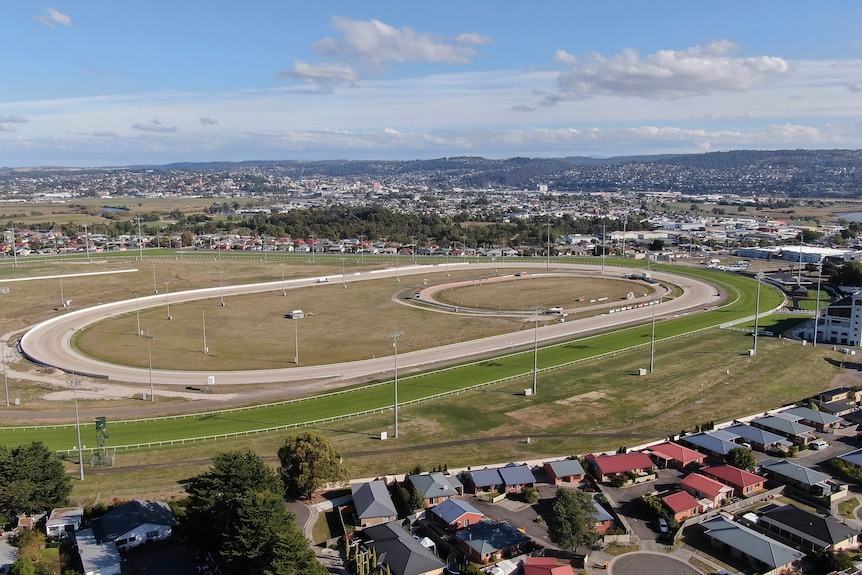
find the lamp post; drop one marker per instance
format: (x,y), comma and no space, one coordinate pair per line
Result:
(394,337)
(296,341)
(343,278)
(87,241)
(817,305)
(62,297)
(168,298)
(655,303)
(536,310)
(74,383)
(150,338)
(203,309)
(756,314)
(548,262)
(155,287)
(282,281)
(221,286)
(141,242)
(3,343)
(138,314)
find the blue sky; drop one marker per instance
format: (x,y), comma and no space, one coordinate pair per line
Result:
(98,83)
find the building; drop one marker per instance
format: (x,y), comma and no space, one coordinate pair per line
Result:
(373,503)
(607,467)
(799,477)
(98,558)
(135,523)
(545,566)
(64,520)
(767,556)
(565,471)
(682,504)
(820,420)
(806,530)
(785,427)
(744,483)
(710,492)
(486,541)
(435,487)
(669,454)
(399,551)
(454,514)
(841,322)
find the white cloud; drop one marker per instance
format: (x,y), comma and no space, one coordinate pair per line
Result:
(154,126)
(370,46)
(4,127)
(666,74)
(855,85)
(325,75)
(564,57)
(53,18)
(12,120)
(208,121)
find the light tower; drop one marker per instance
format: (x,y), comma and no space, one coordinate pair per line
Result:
(394,337)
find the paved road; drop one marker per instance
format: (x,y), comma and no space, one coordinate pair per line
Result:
(50,341)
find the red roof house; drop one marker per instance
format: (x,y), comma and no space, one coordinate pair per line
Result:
(669,454)
(606,467)
(682,505)
(744,483)
(546,566)
(703,487)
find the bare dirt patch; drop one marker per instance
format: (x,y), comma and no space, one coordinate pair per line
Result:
(593,395)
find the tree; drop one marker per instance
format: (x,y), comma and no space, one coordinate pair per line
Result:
(236,510)
(741,458)
(572,518)
(32,479)
(308,462)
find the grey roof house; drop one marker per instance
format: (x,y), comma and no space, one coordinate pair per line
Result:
(403,554)
(435,487)
(803,478)
(808,530)
(134,523)
(763,553)
(373,503)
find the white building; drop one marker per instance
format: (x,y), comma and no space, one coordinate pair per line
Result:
(840,323)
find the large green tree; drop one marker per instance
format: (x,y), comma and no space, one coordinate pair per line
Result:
(308,462)
(572,521)
(236,510)
(741,458)
(32,479)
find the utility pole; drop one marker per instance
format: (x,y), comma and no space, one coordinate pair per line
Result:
(394,337)
(536,311)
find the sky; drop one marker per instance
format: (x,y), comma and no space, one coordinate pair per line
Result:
(114,83)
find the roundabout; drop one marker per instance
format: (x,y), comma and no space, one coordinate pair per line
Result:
(51,343)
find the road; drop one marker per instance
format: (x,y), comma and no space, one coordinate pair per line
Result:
(50,342)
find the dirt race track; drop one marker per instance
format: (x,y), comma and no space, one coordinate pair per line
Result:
(50,343)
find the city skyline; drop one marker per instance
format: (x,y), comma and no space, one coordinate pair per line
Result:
(93,84)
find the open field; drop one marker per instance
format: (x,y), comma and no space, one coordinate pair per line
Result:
(594,405)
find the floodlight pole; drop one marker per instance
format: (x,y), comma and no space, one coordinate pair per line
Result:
(756,315)
(548,262)
(394,337)
(87,241)
(150,338)
(296,341)
(817,305)
(203,309)
(141,243)
(282,281)
(652,339)
(168,298)
(138,314)
(221,286)
(536,311)
(155,287)
(74,383)
(62,297)
(3,343)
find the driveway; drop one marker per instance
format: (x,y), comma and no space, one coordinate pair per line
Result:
(522,515)
(627,501)
(643,563)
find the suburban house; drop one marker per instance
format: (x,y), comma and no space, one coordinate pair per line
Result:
(454,514)
(797,476)
(711,492)
(783,426)
(98,558)
(767,556)
(64,520)
(674,455)
(516,477)
(716,443)
(606,467)
(545,566)
(809,531)
(399,551)
(759,438)
(819,420)
(435,487)
(839,401)
(373,503)
(604,520)
(134,523)
(485,481)
(487,541)
(852,459)
(682,504)
(744,483)
(565,471)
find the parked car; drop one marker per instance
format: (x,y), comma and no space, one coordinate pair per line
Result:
(818,444)
(662,525)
